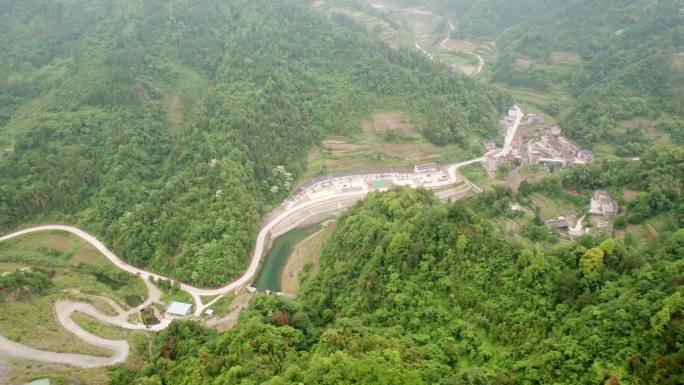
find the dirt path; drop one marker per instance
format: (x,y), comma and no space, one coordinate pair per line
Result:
(5,369)
(448,36)
(228,321)
(480,60)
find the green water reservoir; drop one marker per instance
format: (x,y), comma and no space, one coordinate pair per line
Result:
(271,272)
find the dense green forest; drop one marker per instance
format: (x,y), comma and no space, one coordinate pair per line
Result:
(159,125)
(416,292)
(630,58)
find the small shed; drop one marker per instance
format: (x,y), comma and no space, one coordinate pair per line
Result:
(560,224)
(585,154)
(515,207)
(179,308)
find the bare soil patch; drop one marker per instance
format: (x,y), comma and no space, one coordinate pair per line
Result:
(565,57)
(636,230)
(84,252)
(306,251)
(175,109)
(638,122)
(523,64)
(512,227)
(460,45)
(313,155)
(229,320)
(630,195)
(386,121)
(678,61)
(57,242)
(649,128)
(549,207)
(517,175)
(341,147)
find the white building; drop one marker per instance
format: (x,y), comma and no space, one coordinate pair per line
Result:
(427,168)
(603,204)
(180,309)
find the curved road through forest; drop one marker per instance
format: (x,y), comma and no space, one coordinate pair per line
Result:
(65,309)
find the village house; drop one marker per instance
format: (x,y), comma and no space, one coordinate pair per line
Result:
(512,113)
(603,204)
(551,151)
(585,155)
(561,224)
(427,168)
(179,309)
(535,118)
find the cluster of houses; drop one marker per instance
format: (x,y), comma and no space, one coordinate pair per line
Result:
(602,207)
(554,151)
(376,180)
(551,150)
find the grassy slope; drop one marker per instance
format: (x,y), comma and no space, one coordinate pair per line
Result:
(31,320)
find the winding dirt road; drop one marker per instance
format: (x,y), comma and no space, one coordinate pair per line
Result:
(419,11)
(480,60)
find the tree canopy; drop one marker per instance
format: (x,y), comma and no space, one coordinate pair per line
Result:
(415,292)
(160,125)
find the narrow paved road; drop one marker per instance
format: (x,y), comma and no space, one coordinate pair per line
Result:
(65,309)
(17,350)
(510,133)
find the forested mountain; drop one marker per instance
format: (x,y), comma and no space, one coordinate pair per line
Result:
(159,125)
(415,292)
(631,61)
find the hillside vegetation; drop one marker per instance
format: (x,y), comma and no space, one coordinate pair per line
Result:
(414,292)
(159,125)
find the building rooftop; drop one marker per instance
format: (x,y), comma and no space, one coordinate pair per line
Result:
(603,204)
(426,167)
(380,184)
(560,223)
(179,308)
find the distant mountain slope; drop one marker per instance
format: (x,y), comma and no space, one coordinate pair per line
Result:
(158,125)
(630,62)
